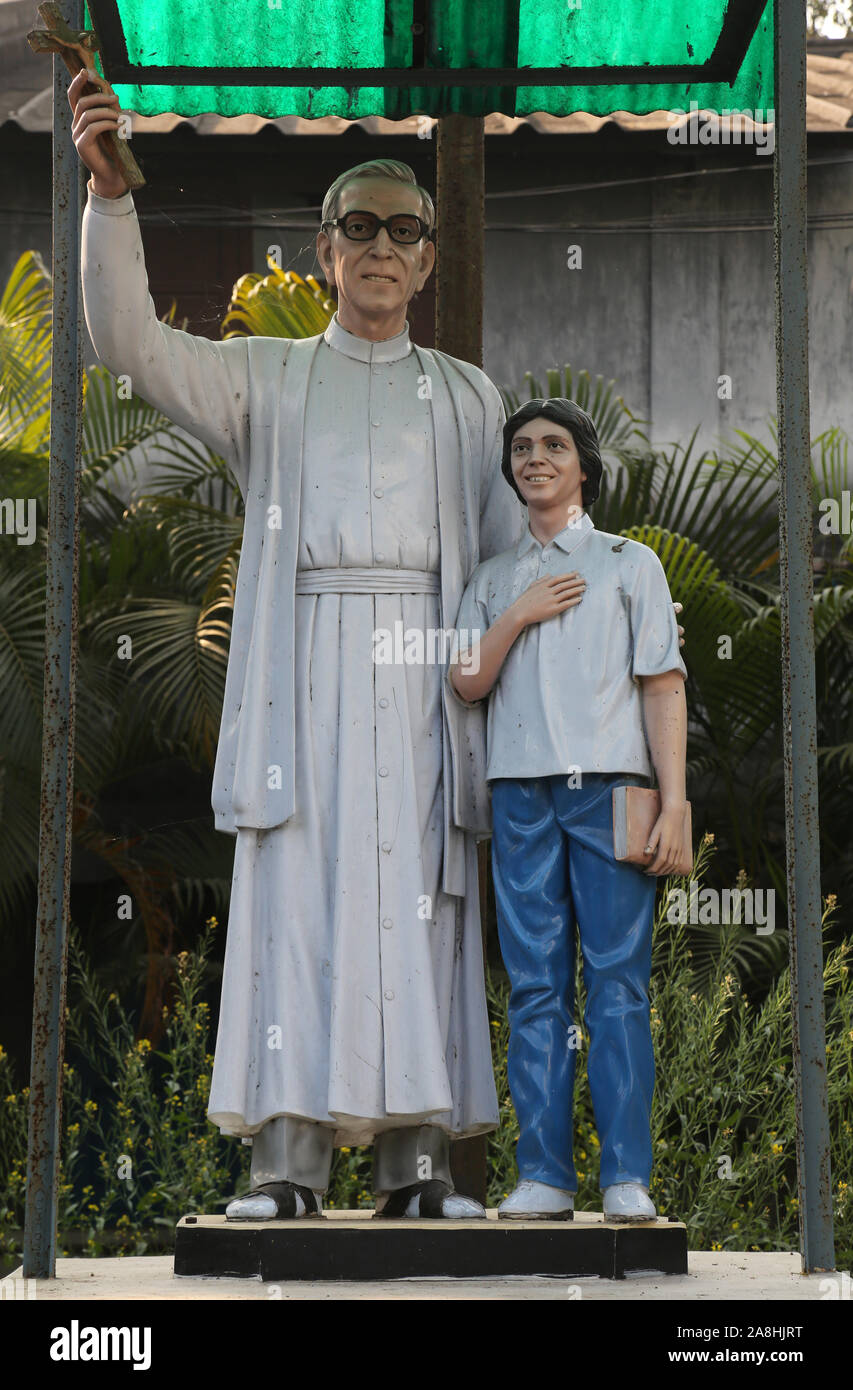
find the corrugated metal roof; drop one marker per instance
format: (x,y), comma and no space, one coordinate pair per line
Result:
(26,100)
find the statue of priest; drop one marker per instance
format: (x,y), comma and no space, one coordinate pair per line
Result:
(353,1005)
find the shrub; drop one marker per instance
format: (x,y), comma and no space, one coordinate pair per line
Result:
(138,1151)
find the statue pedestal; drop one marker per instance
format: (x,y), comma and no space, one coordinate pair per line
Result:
(352,1245)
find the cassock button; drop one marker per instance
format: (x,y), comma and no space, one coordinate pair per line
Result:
(389,994)
(375,424)
(383,772)
(378,492)
(387,922)
(383,703)
(386,846)
(380,555)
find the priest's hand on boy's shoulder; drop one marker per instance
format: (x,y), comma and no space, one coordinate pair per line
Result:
(548,597)
(679,608)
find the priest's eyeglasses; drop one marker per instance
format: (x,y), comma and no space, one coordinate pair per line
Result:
(403,227)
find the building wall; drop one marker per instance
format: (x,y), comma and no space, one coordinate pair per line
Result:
(669,312)
(664,312)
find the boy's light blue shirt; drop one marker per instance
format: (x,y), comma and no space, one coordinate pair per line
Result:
(567,698)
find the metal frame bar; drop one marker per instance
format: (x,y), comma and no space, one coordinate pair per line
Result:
(796,545)
(60,665)
(740,20)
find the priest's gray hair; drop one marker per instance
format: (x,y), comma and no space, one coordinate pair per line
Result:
(382,168)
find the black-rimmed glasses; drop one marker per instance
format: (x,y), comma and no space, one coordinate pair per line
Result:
(403,227)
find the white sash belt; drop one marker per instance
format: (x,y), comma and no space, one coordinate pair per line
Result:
(353,579)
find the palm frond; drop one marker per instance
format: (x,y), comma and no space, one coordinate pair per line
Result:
(178,654)
(278,305)
(618,429)
(26,311)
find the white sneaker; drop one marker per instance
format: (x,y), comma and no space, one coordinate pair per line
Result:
(536,1201)
(628,1201)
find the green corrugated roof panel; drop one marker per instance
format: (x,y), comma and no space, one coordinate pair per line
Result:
(399,57)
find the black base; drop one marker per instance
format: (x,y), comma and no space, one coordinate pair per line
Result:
(352,1246)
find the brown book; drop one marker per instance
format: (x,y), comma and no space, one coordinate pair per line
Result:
(635,810)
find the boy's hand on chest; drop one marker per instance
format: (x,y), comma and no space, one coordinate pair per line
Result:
(547,597)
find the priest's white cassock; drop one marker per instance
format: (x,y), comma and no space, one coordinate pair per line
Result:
(353,989)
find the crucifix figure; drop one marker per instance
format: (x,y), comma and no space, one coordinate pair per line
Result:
(353,1004)
(76,48)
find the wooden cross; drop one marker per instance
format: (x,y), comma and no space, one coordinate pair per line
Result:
(76,49)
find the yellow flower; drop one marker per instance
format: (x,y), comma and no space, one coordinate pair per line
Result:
(345,1151)
(143,1045)
(777,1148)
(91,1107)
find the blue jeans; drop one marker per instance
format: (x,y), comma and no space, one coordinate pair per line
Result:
(553,867)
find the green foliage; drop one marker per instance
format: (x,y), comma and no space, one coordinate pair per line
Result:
(837,13)
(138,1151)
(278,305)
(161,569)
(25,329)
(723,1123)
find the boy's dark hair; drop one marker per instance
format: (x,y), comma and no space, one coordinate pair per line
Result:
(577,422)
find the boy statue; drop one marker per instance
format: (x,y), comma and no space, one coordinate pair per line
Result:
(579,652)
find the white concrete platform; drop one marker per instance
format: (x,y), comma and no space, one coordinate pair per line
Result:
(713,1277)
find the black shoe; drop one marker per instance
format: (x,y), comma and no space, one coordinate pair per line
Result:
(432,1193)
(284,1195)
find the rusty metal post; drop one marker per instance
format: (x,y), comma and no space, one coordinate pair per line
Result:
(460,241)
(460,236)
(798,646)
(60,653)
